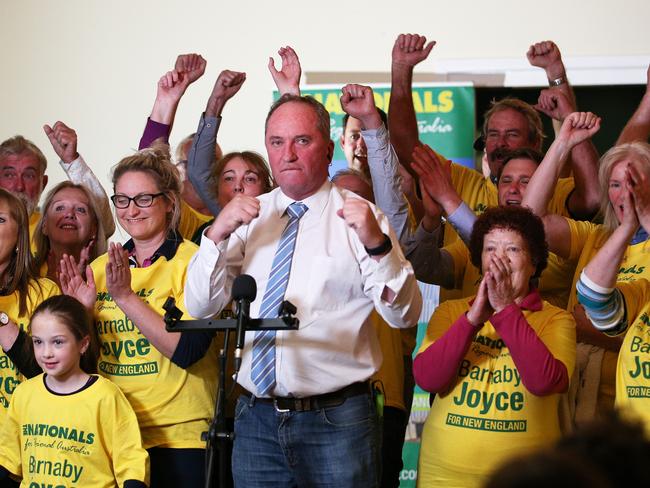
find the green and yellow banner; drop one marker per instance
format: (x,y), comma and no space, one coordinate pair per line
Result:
(445,116)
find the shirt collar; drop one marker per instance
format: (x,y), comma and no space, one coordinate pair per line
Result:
(315,202)
(640,236)
(167,249)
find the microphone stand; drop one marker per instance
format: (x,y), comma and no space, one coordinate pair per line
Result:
(218,435)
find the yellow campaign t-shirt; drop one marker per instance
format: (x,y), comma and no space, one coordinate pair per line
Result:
(190,221)
(33,222)
(488,416)
(173,405)
(89,438)
(479,193)
(633,368)
(588,238)
(38,291)
(554,283)
(391,371)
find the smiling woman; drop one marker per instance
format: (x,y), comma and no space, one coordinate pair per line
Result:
(167,377)
(20,293)
(68,225)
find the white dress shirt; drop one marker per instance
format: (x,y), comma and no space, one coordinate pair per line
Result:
(333,283)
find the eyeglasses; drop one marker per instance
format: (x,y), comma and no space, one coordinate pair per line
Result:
(142,200)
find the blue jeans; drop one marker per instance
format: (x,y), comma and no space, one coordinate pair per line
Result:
(335,447)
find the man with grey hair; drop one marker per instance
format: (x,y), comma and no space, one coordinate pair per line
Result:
(22,172)
(307,417)
(23,166)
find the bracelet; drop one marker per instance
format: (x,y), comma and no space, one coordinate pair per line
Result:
(557,81)
(383,248)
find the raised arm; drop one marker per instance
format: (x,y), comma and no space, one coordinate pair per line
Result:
(596,291)
(431,264)
(595,288)
(546,55)
(201,156)
(171,88)
(287,80)
(358,102)
(64,143)
(408,50)
(436,175)
(584,200)
(576,128)
(638,183)
(603,268)
(638,127)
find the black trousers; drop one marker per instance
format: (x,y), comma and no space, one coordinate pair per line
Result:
(393,430)
(177,468)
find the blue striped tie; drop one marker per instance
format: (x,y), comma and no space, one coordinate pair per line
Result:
(263,366)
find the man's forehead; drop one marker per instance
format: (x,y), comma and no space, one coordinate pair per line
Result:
(518,168)
(293,114)
(353,125)
(509,118)
(20,161)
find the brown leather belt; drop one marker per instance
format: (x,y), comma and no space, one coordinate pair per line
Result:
(316,402)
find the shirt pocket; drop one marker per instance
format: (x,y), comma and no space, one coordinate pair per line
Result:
(331,284)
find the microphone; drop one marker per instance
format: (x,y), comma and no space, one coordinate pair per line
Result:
(244,291)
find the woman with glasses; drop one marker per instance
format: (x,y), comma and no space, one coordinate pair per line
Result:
(168,377)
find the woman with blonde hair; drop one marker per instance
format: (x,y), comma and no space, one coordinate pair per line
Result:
(620,309)
(168,378)
(576,240)
(69,225)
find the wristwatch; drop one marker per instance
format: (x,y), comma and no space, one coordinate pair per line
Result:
(4,319)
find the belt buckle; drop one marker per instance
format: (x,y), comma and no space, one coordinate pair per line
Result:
(278,409)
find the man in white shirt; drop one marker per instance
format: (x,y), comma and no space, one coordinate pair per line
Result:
(309,418)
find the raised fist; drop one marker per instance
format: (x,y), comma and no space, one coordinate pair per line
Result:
(411,49)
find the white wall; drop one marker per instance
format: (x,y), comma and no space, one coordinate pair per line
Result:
(95,64)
